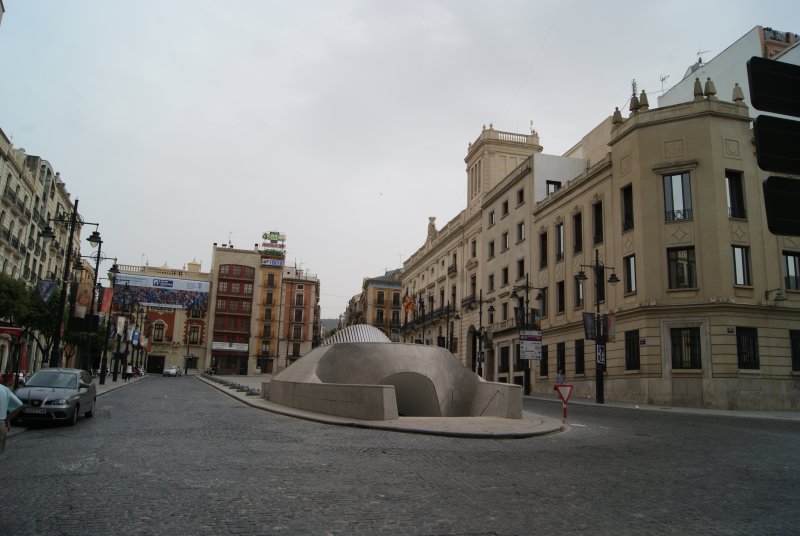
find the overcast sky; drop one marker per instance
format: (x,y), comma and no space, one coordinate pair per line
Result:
(343,124)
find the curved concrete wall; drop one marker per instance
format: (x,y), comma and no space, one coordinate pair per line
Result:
(425,381)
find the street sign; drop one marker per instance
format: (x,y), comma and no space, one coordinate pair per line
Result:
(564,390)
(601,354)
(530,344)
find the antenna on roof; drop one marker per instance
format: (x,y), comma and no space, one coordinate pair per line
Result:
(663,79)
(699,59)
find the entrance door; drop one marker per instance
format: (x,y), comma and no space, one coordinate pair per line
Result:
(155,364)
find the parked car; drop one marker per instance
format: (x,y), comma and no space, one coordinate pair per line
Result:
(172,370)
(57,394)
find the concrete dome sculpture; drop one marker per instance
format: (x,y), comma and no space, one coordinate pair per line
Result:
(354,376)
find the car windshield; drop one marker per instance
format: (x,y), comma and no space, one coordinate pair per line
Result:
(62,380)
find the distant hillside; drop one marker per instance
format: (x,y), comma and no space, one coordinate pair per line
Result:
(329,323)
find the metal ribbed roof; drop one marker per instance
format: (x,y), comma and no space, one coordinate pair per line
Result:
(357,333)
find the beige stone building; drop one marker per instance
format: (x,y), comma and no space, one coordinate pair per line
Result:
(379,304)
(707,309)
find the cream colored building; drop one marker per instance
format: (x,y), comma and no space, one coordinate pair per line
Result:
(707,309)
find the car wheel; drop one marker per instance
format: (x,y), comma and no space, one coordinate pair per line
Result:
(74,417)
(90,413)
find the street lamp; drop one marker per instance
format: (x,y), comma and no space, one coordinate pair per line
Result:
(599,338)
(112,277)
(481,332)
(70,222)
(527,287)
(96,242)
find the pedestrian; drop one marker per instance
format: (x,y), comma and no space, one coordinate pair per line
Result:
(560,378)
(10,405)
(128,372)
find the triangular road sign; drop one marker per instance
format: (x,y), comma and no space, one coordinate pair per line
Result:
(564,390)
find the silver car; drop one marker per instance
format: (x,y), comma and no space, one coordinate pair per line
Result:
(57,394)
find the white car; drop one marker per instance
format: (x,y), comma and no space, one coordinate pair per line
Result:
(172,370)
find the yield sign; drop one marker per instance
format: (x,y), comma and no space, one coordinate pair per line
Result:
(564,390)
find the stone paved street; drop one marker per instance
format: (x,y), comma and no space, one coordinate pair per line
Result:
(176,456)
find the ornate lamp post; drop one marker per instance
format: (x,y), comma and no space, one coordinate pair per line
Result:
(526,322)
(110,328)
(600,336)
(71,222)
(481,331)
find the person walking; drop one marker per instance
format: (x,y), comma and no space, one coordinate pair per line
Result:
(128,372)
(560,378)
(10,405)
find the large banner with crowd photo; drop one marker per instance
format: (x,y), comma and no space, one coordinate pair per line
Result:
(161,292)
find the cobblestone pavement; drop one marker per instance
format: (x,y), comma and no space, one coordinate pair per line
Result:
(176,456)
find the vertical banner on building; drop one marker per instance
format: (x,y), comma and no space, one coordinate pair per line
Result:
(611,327)
(83,300)
(589,328)
(120,325)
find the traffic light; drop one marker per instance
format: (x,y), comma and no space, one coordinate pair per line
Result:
(775,87)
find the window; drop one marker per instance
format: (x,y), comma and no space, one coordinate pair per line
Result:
(267,331)
(794,340)
(741,266)
(223,286)
(504,358)
(395,319)
(491,315)
(298,315)
(597,221)
(543,362)
(520,196)
(681,267)
(578,293)
(747,347)
(543,302)
(543,250)
(734,190)
(233,305)
(491,248)
(579,357)
(379,316)
(248,288)
(246,304)
(380,298)
(577,233)
(521,231)
(627,208)
(490,282)
(520,268)
(474,249)
(559,242)
(395,299)
(630,273)
(220,305)
(504,241)
(267,315)
(560,297)
(632,350)
(296,349)
(194,334)
(270,280)
(504,276)
(504,208)
(677,197)
(685,348)
(237,270)
(561,357)
(158,332)
(269,298)
(491,218)
(791,270)
(504,311)
(552,186)
(297,332)
(223,270)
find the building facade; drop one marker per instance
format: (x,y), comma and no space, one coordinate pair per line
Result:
(379,304)
(168,309)
(264,315)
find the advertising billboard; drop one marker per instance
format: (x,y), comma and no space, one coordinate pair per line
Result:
(159,291)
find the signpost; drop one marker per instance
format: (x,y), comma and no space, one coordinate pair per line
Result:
(564,390)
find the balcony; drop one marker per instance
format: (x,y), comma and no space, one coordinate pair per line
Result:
(452,270)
